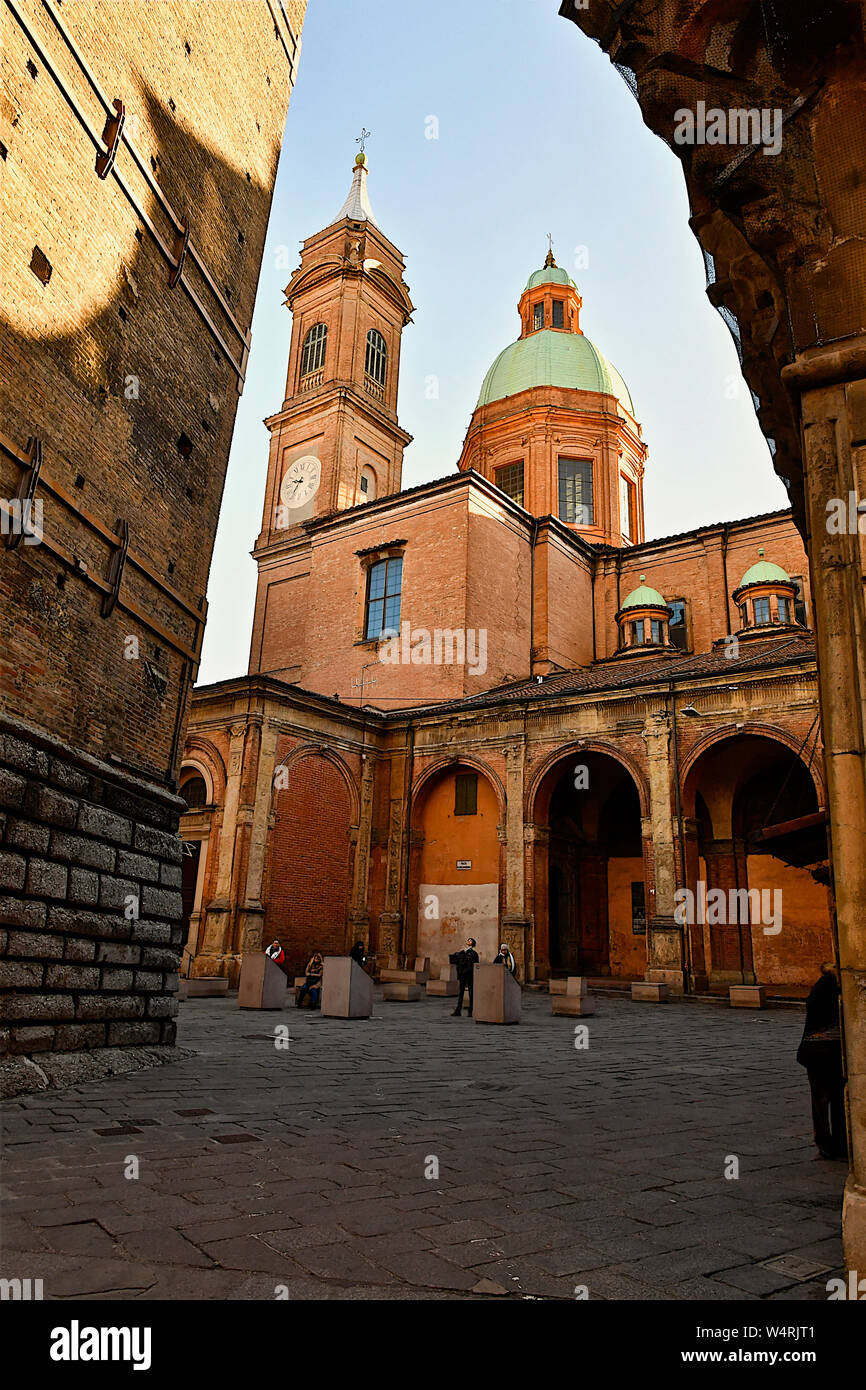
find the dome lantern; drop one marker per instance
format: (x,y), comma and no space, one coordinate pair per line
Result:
(765,597)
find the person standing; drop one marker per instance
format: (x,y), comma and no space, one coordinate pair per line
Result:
(466,962)
(820,1052)
(357,953)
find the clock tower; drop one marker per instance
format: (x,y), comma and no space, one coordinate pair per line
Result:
(335,442)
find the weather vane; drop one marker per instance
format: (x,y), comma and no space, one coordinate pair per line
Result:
(363,138)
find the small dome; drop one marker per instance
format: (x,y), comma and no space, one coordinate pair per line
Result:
(644,597)
(764,572)
(549,275)
(553,358)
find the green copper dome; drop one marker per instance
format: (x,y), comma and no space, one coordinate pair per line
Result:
(550,275)
(553,358)
(764,572)
(644,597)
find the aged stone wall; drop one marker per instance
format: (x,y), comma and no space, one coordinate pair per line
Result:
(129,263)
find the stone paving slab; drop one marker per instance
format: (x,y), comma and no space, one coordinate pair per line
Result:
(315,1166)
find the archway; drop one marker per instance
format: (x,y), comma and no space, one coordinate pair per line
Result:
(307,900)
(756,840)
(456,865)
(590,890)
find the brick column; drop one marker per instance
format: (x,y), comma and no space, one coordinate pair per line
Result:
(665,936)
(516,923)
(252,912)
(834,441)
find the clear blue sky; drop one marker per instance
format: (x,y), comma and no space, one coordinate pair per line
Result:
(538,133)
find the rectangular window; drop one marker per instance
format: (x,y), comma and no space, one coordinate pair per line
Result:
(384,586)
(784,609)
(658,634)
(510,480)
(800,615)
(762,611)
(538,316)
(744,614)
(466,794)
(635,631)
(626,508)
(575,491)
(558,313)
(638,910)
(677,629)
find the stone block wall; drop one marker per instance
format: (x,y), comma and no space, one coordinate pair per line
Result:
(90,905)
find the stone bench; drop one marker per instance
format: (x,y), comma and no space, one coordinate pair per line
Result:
(203,987)
(496,995)
(347,990)
(262,985)
(747,996)
(574,1000)
(418,975)
(557,986)
(401,992)
(446,987)
(650,991)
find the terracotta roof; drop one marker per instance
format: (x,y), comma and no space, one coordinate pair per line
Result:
(628,674)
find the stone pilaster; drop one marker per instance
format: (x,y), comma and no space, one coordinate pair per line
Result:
(665,936)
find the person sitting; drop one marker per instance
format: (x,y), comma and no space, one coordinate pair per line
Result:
(313,983)
(357,953)
(506,958)
(276,953)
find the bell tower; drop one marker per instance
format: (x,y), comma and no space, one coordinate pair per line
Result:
(335,442)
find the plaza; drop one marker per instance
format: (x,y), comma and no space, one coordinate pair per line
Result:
(298,1171)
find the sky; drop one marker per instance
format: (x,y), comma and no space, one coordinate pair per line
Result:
(536,133)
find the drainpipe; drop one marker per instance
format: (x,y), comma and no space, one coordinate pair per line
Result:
(726,530)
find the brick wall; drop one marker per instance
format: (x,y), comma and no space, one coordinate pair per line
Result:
(90,873)
(130,384)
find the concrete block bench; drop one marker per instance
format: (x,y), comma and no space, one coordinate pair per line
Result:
(650,991)
(347,990)
(574,1000)
(446,987)
(401,992)
(747,996)
(262,984)
(203,987)
(497,996)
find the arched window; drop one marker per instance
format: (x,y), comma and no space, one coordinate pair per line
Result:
(313,349)
(377,357)
(194,792)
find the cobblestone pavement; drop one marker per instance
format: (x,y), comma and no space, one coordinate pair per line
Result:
(305,1166)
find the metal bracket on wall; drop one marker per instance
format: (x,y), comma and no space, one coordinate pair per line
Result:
(115,570)
(26,488)
(111,135)
(180,249)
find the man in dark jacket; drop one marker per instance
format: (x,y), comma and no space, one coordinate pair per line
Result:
(466,962)
(820,1052)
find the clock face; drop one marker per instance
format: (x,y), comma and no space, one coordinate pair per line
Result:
(300,481)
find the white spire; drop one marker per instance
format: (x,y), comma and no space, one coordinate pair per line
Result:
(357,205)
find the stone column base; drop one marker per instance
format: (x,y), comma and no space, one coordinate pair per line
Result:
(515,929)
(854,1227)
(390,933)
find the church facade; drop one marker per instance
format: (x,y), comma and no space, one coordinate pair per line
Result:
(489,705)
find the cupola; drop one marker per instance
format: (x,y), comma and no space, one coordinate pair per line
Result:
(644,620)
(765,598)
